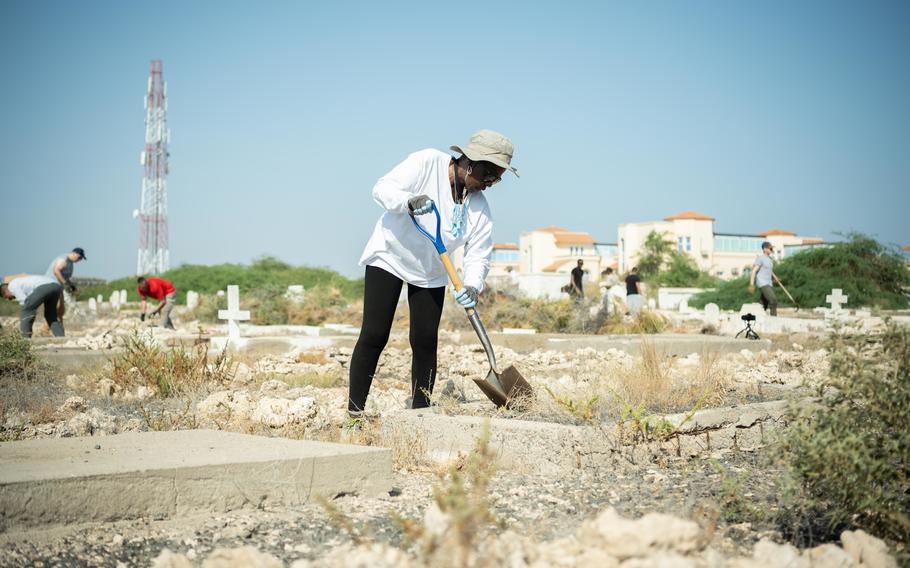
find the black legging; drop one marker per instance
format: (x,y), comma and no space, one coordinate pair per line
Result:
(381,291)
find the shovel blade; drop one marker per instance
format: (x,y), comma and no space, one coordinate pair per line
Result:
(504,388)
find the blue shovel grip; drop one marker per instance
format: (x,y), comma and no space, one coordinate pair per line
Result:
(437,242)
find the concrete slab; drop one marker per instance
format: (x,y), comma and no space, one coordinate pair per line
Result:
(165,474)
(519,444)
(669,343)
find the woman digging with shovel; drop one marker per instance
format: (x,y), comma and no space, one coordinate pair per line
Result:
(426,181)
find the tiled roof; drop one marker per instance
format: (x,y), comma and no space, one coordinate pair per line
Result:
(694,215)
(551,229)
(505,246)
(906,247)
(777,233)
(570,238)
(813,241)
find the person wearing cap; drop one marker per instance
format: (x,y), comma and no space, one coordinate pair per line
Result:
(397,253)
(161,290)
(763,275)
(32,291)
(61,269)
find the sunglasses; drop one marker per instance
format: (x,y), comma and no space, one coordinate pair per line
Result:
(489,173)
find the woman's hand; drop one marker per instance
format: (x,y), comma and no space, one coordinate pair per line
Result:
(420,204)
(466,296)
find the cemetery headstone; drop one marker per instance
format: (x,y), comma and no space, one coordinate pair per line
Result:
(122,297)
(100,299)
(115,300)
(836,298)
(295,293)
(192,299)
(233,314)
(712,314)
(92,305)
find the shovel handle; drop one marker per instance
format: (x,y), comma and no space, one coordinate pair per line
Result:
(441,249)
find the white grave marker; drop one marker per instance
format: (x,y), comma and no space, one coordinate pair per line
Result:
(100,299)
(122,297)
(115,300)
(836,298)
(712,314)
(92,305)
(295,293)
(233,314)
(192,299)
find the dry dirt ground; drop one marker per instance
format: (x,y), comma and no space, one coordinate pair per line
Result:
(667,513)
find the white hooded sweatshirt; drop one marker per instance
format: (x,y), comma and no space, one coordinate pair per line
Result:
(396,245)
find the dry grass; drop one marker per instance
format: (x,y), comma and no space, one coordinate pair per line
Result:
(42,412)
(313,357)
(168,371)
(317,379)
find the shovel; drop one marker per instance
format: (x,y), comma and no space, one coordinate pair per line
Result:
(787,292)
(501,387)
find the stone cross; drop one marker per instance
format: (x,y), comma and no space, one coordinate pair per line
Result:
(192,299)
(122,297)
(233,314)
(836,298)
(92,305)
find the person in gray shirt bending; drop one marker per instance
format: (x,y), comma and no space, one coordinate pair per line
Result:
(763,275)
(61,269)
(32,292)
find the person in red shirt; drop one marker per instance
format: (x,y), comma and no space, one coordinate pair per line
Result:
(161,290)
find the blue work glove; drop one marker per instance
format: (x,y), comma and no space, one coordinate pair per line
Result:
(420,204)
(466,296)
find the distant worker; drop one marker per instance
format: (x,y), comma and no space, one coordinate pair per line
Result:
(576,288)
(61,269)
(608,280)
(33,291)
(634,297)
(763,275)
(161,290)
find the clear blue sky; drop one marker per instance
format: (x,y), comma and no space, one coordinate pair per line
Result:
(283,114)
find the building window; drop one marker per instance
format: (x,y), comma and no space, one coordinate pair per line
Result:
(679,244)
(688,244)
(734,272)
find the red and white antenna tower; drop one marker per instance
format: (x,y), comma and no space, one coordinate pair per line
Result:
(154,257)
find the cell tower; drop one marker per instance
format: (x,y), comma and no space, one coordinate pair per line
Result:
(154,257)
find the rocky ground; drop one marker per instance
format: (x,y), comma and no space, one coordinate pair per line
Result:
(603,518)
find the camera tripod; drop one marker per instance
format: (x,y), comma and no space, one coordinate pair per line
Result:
(750,333)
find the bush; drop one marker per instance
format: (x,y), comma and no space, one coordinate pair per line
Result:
(16,357)
(870,273)
(168,371)
(264,272)
(850,454)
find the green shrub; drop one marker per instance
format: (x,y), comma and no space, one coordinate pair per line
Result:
(870,273)
(16,357)
(850,454)
(264,272)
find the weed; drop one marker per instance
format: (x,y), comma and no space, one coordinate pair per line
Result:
(585,410)
(169,371)
(321,380)
(461,498)
(736,503)
(164,420)
(850,453)
(339,519)
(17,360)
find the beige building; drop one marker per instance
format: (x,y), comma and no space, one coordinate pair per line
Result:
(505,259)
(554,249)
(725,255)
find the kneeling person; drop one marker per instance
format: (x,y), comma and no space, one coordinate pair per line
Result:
(161,290)
(33,291)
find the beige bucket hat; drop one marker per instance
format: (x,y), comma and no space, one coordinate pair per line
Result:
(489,146)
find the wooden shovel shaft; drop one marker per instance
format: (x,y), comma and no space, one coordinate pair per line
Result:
(453,276)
